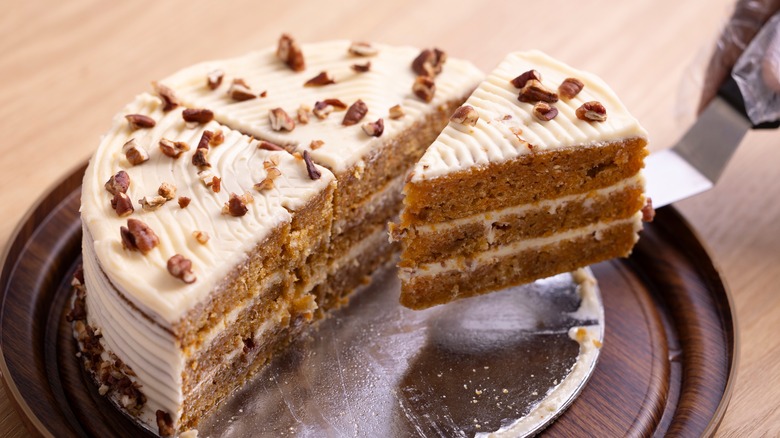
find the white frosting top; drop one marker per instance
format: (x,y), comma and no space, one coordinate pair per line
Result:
(144,279)
(387,83)
(507,127)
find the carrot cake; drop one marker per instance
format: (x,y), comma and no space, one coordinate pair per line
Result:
(537,174)
(239,202)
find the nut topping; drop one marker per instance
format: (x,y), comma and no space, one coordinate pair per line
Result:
(355,113)
(201,236)
(237,205)
(138,121)
(151,203)
(322,110)
(167,191)
(320,80)
(314,173)
(197,115)
(336,104)
(268,182)
(396,112)
(465,115)
(164,424)
(424,88)
(520,81)
(570,88)
(290,53)
(134,154)
(214,79)
(137,236)
(206,139)
(303,114)
(173,149)
(280,120)
(648,212)
(184,201)
(122,204)
(429,62)
(167,96)
(216,184)
(316,144)
(240,91)
(206,176)
(374,129)
(362,49)
(217,139)
(533,91)
(118,183)
(544,111)
(268,146)
(592,112)
(181,268)
(361,68)
(199,158)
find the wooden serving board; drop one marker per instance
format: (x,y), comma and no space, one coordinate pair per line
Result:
(666,367)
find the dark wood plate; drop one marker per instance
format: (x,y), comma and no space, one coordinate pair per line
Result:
(666,367)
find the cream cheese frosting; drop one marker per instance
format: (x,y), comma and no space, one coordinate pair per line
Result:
(507,127)
(387,83)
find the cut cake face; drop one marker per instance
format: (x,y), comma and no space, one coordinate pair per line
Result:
(537,174)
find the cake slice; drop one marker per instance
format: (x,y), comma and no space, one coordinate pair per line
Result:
(537,174)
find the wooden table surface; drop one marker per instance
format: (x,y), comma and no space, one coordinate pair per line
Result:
(67,67)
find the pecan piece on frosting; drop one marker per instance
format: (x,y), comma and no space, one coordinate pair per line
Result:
(290,53)
(164,424)
(268,146)
(201,236)
(520,81)
(151,203)
(199,159)
(336,104)
(374,129)
(214,79)
(167,191)
(167,96)
(118,183)
(134,153)
(205,139)
(533,91)
(137,236)
(280,120)
(570,88)
(424,88)
(311,169)
(396,112)
(184,201)
(355,113)
(322,110)
(303,114)
(465,115)
(181,268)
(316,144)
(237,205)
(361,68)
(648,212)
(173,149)
(360,48)
(429,62)
(322,79)
(122,204)
(197,115)
(592,112)
(240,91)
(544,111)
(138,121)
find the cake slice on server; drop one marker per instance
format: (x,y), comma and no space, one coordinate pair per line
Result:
(538,173)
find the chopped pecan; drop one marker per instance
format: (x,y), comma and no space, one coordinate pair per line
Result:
(316,144)
(122,204)
(465,115)
(592,112)
(570,88)
(355,113)
(429,62)
(648,212)
(197,115)
(151,203)
(167,191)
(134,154)
(240,91)
(265,184)
(263,93)
(273,172)
(181,268)
(237,205)
(424,88)
(290,53)
(336,104)
(280,120)
(360,48)
(303,114)
(173,149)
(268,146)
(533,91)
(199,158)
(118,183)
(520,81)
(201,236)
(374,129)
(138,236)
(322,110)
(167,97)
(205,139)
(312,170)
(138,121)
(361,68)
(164,424)
(396,112)
(184,201)
(272,161)
(214,79)
(206,176)
(320,80)
(216,184)
(217,139)
(544,111)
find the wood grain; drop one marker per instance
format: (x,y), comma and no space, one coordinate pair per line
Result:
(68,66)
